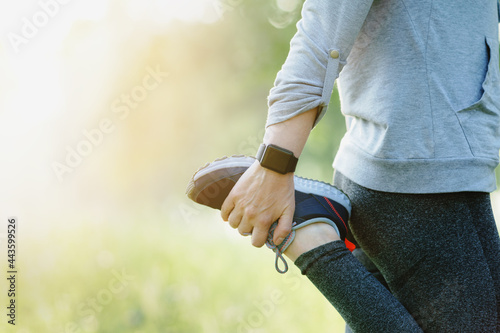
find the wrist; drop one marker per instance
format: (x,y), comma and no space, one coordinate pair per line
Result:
(269,175)
(291,134)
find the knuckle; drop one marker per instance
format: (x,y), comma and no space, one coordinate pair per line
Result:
(264,221)
(233,196)
(265,217)
(251,213)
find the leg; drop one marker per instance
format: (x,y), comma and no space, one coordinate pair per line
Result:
(484,221)
(370,267)
(428,249)
(364,303)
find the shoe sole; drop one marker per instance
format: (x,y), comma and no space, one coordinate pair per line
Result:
(211,184)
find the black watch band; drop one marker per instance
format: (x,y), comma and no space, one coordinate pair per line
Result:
(275,158)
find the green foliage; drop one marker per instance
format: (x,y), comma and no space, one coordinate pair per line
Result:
(125,250)
(203,278)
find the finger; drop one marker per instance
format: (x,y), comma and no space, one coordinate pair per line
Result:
(260,233)
(244,229)
(234,219)
(284,226)
(226,208)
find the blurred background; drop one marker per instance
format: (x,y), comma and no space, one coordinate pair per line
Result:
(107,108)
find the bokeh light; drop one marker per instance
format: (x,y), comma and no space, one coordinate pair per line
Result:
(107,107)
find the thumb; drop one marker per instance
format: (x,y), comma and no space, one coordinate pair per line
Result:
(284,225)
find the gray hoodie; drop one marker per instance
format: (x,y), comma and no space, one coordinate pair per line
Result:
(419,85)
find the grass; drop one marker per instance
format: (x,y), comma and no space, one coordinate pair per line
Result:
(183,272)
(159,276)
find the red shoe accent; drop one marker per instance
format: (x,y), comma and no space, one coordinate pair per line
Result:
(333,208)
(350,246)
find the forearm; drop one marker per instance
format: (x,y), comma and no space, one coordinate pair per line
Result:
(325,37)
(292,134)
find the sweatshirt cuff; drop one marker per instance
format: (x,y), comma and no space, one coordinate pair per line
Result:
(294,98)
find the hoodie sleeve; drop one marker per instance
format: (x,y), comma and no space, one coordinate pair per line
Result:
(318,51)
(498,6)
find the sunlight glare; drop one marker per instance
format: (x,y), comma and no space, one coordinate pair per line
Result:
(287,5)
(165,11)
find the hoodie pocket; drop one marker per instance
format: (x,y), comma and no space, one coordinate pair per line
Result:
(481,121)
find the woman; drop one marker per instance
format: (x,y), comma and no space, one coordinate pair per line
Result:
(419,85)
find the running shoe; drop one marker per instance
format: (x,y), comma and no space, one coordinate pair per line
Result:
(315,201)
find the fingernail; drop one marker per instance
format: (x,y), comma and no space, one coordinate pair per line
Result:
(246,233)
(279,241)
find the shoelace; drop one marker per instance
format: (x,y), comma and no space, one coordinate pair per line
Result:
(279,249)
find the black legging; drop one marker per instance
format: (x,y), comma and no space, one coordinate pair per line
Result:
(439,253)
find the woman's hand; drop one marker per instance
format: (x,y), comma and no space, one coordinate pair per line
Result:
(259,198)
(262,196)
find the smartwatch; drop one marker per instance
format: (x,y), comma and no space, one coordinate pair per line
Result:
(277,159)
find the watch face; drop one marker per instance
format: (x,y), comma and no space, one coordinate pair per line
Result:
(276,159)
